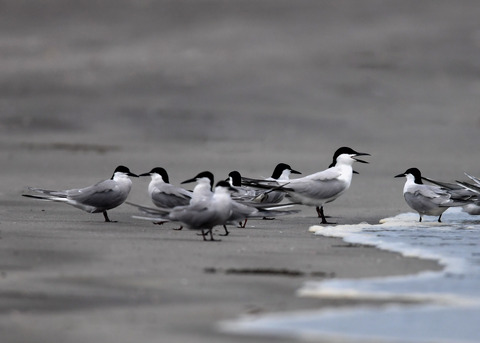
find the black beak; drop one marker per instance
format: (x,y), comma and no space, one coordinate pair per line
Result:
(361,154)
(355,172)
(294,172)
(132,174)
(189,180)
(400,175)
(145,174)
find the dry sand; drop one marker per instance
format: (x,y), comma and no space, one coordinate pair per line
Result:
(218,85)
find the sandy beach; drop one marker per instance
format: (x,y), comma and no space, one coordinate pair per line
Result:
(220,86)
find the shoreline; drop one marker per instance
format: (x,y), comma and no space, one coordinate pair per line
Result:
(447,298)
(114,282)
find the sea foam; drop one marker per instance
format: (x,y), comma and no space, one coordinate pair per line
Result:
(442,306)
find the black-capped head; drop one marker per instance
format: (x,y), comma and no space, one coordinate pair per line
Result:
(280,168)
(235,177)
(345,150)
(123,170)
(334,162)
(160,171)
(225,184)
(416,174)
(205,174)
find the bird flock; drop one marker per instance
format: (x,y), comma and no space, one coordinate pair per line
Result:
(235,200)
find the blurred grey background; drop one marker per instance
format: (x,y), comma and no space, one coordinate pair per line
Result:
(223,85)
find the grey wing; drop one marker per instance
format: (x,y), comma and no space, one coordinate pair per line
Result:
(103,195)
(423,204)
(325,175)
(269,197)
(244,193)
(431,194)
(194,216)
(171,196)
(418,202)
(318,189)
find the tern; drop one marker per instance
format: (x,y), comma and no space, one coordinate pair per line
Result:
(164,194)
(97,198)
(203,189)
(429,199)
(242,193)
(246,205)
(319,210)
(281,173)
(207,212)
(203,214)
(322,187)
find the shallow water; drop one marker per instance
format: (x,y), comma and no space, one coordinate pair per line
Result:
(439,306)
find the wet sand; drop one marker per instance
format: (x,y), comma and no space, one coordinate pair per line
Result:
(192,86)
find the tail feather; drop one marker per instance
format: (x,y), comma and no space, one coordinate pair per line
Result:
(152,219)
(469,186)
(267,206)
(450,186)
(149,210)
(46,197)
(276,213)
(59,194)
(473,178)
(271,186)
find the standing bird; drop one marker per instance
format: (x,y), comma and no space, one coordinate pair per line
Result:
(242,193)
(428,199)
(319,210)
(244,204)
(203,189)
(322,187)
(209,211)
(203,214)
(97,198)
(206,212)
(281,173)
(164,194)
